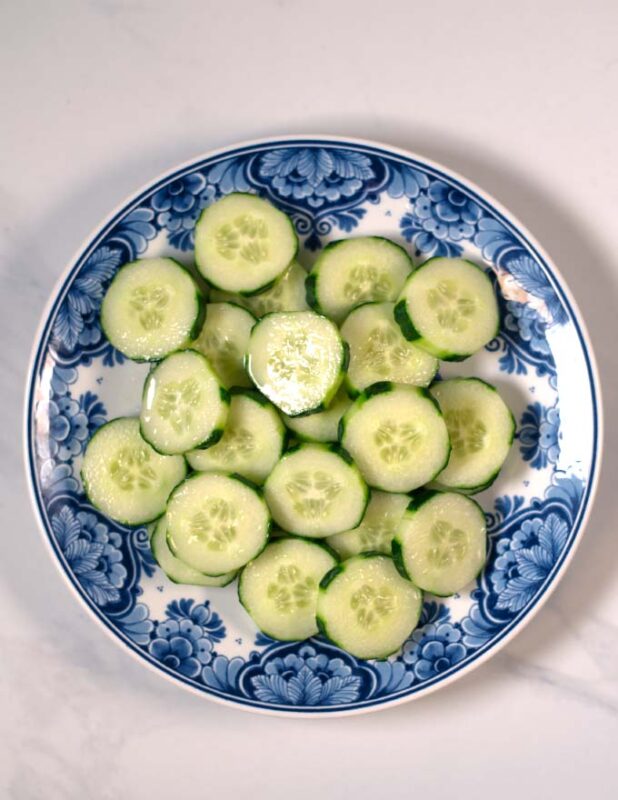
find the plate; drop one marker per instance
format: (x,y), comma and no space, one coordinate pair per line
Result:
(541,361)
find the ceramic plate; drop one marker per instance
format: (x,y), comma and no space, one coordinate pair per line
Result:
(542,363)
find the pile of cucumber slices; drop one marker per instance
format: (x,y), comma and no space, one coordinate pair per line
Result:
(292,432)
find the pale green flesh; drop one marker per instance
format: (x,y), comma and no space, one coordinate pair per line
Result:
(443,543)
(452,305)
(150,308)
(224,339)
(398,439)
(251,444)
(243,243)
(380,352)
(182,404)
(175,569)
(481,430)
(323,426)
(359,270)
(125,477)
(279,589)
(216,523)
(377,528)
(288,294)
(295,359)
(369,609)
(315,492)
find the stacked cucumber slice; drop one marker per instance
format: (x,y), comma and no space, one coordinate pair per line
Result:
(290,427)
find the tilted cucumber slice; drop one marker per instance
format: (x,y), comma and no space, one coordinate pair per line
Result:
(125,477)
(216,523)
(279,589)
(380,352)
(152,307)
(223,339)
(252,440)
(366,607)
(352,271)
(297,359)
(243,243)
(322,426)
(377,528)
(316,490)
(481,429)
(441,542)
(183,404)
(448,307)
(288,294)
(396,435)
(175,569)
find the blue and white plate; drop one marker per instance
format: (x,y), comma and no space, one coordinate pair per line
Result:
(541,361)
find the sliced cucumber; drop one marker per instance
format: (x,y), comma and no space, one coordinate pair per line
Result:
(125,477)
(481,429)
(323,426)
(243,243)
(316,490)
(183,404)
(152,307)
(279,589)
(252,441)
(352,271)
(216,523)
(288,294)
(441,542)
(297,359)
(377,528)
(366,607)
(448,307)
(175,569)
(397,436)
(223,339)
(380,352)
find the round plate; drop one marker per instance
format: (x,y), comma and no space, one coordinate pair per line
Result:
(541,361)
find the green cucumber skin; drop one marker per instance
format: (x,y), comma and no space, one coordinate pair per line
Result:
(419,497)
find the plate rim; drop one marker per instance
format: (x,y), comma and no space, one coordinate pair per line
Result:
(558,281)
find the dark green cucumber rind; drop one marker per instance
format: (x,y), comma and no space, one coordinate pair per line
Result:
(397,556)
(469,489)
(184,583)
(345,358)
(402,318)
(250,484)
(251,393)
(263,288)
(336,448)
(224,394)
(311,296)
(323,629)
(380,387)
(419,497)
(331,575)
(201,314)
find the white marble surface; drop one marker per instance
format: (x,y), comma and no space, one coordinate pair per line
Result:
(100,96)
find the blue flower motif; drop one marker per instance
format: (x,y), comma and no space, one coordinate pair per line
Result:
(539,434)
(93,553)
(433,649)
(71,424)
(178,205)
(184,641)
(523,563)
(528,325)
(316,175)
(137,625)
(440,218)
(306,679)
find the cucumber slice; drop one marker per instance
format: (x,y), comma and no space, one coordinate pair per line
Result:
(397,436)
(252,442)
(323,426)
(183,404)
(243,243)
(377,528)
(448,307)
(279,589)
(366,607)
(441,542)
(124,477)
(380,352)
(223,339)
(175,569)
(216,523)
(152,307)
(316,490)
(481,429)
(288,294)
(352,271)
(297,359)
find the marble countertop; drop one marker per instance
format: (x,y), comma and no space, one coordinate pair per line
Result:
(99,97)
